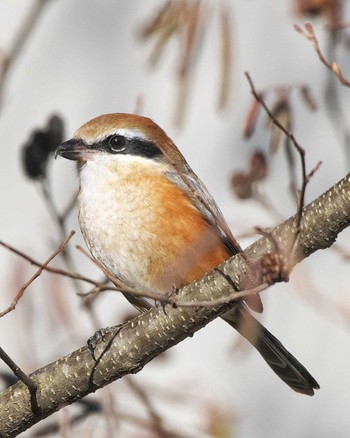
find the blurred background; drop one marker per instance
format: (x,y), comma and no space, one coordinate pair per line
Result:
(181,63)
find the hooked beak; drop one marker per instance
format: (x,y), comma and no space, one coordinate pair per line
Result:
(74,149)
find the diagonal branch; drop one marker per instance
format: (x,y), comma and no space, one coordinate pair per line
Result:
(128,349)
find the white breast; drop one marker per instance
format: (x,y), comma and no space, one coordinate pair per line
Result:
(115,217)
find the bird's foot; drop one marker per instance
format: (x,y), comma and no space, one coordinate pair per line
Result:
(100,335)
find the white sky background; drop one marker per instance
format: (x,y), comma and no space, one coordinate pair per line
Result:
(84,59)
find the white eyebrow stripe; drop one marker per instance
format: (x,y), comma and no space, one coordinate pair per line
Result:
(128,133)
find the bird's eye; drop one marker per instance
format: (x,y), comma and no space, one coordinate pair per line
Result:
(116,143)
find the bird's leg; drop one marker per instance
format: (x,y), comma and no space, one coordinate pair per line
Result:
(99,335)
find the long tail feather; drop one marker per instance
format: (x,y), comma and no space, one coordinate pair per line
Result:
(283,363)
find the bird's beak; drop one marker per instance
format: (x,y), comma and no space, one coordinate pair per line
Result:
(74,149)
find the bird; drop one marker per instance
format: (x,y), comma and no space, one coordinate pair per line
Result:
(150,222)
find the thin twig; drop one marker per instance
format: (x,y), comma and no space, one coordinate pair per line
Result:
(305,177)
(49,268)
(122,287)
(301,195)
(97,289)
(36,275)
(259,98)
(305,181)
(21,375)
(309,33)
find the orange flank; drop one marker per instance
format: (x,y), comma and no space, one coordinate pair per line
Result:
(187,246)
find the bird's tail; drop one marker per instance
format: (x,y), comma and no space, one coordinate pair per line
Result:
(284,364)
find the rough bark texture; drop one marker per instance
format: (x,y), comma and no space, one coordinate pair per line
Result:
(140,340)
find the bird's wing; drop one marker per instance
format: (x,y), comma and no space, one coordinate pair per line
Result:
(206,204)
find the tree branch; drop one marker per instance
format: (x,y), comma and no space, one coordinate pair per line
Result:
(129,349)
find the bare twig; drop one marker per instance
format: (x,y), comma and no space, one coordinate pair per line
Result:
(305,180)
(308,32)
(282,92)
(21,375)
(49,268)
(122,287)
(282,113)
(305,177)
(36,275)
(97,289)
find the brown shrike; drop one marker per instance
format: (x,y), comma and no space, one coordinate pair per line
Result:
(150,221)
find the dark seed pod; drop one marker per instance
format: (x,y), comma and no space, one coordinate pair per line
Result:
(41,145)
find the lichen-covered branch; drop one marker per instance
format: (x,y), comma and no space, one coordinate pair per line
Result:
(129,349)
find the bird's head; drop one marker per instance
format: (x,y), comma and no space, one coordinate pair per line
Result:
(113,136)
